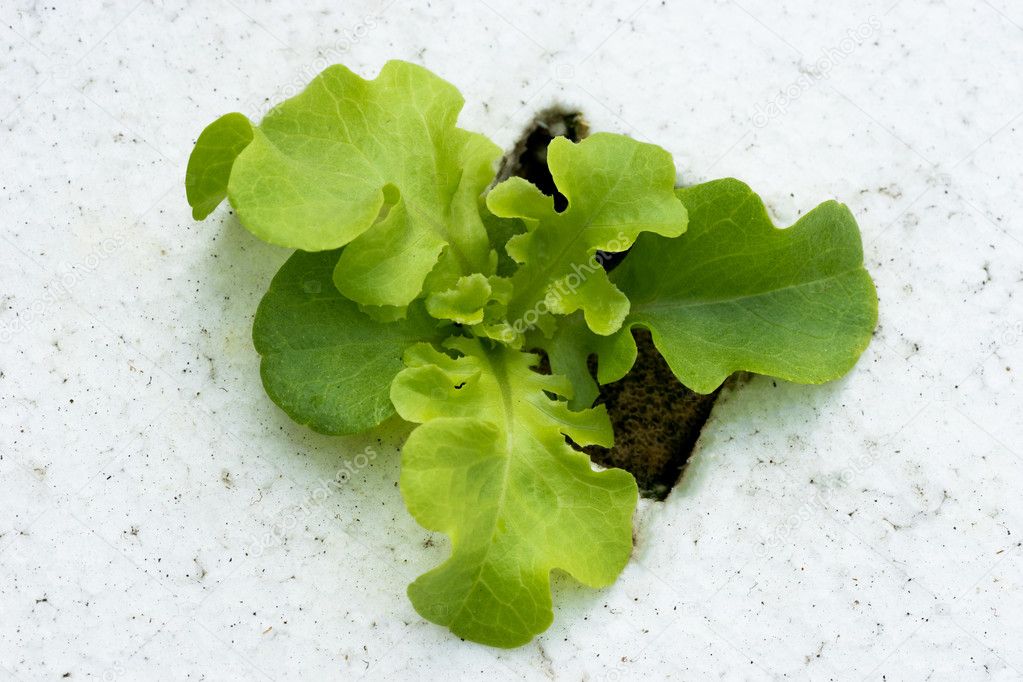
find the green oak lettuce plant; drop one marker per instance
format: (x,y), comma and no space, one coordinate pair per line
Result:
(415,290)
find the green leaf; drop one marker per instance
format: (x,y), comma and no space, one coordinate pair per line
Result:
(209,166)
(464,302)
(569,349)
(500,230)
(737,293)
(489,466)
(617,188)
(325,363)
(518,198)
(378,165)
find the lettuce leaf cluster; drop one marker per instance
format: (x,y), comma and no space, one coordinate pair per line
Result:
(419,289)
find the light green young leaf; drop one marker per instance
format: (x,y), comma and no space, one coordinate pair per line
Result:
(617,188)
(325,363)
(464,302)
(209,166)
(500,230)
(489,466)
(378,165)
(569,349)
(519,198)
(737,293)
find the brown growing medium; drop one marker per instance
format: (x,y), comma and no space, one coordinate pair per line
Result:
(656,419)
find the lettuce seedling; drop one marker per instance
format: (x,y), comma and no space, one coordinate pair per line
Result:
(416,291)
